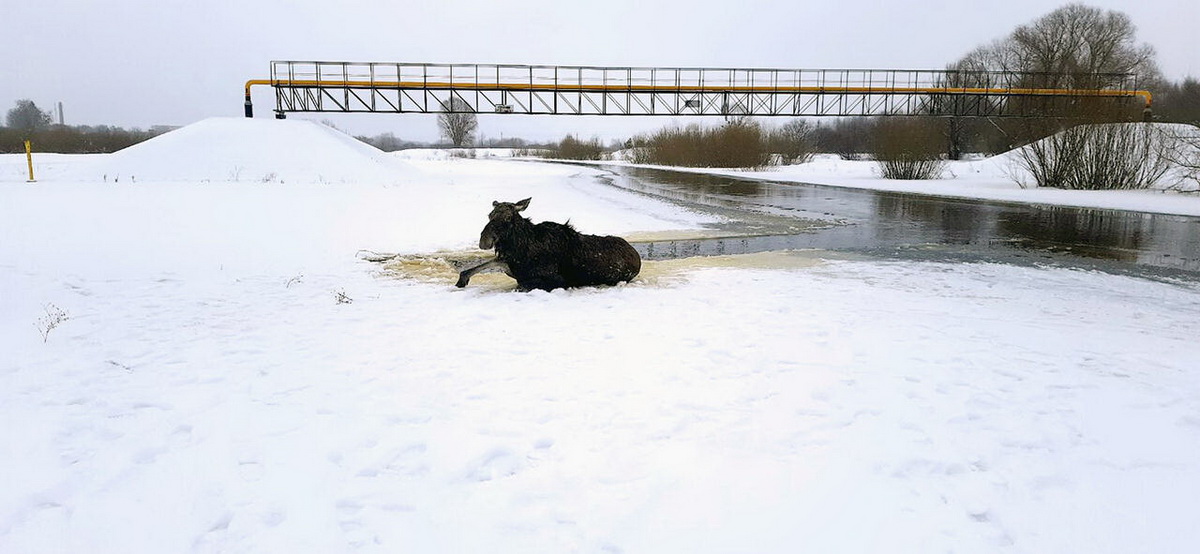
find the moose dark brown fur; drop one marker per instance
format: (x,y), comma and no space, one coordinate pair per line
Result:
(550,255)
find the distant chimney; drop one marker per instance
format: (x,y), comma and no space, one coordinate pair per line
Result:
(60,116)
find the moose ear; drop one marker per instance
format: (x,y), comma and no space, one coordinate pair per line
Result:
(523,204)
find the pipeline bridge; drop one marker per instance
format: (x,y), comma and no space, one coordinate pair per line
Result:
(375,87)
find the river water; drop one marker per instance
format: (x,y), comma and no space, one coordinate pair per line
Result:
(763,215)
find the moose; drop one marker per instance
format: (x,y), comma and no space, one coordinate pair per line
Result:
(550,255)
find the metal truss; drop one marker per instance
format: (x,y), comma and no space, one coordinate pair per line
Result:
(641,91)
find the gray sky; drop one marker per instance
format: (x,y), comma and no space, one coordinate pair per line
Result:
(174,62)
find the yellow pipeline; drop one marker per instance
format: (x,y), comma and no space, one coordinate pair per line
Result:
(1145,94)
(254,82)
(249,104)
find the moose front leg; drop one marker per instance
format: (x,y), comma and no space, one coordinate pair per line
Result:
(464,277)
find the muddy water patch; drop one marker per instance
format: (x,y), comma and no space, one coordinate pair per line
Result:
(442,268)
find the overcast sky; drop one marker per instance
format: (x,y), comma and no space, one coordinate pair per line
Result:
(173,62)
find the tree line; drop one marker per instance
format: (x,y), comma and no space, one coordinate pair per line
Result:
(26,121)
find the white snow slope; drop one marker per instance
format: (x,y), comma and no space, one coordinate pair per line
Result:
(209,393)
(221,150)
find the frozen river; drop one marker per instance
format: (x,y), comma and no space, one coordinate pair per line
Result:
(770,216)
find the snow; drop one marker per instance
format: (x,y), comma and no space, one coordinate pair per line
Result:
(209,393)
(222,149)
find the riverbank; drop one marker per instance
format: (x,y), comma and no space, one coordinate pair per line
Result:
(982,179)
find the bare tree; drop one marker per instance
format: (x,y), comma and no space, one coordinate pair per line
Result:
(845,136)
(793,141)
(26,116)
(457,123)
(1071,45)
(1184,151)
(969,72)
(1178,102)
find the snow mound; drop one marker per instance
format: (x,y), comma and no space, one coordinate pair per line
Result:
(1155,140)
(223,149)
(1157,132)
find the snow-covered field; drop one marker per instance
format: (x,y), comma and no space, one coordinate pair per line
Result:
(209,391)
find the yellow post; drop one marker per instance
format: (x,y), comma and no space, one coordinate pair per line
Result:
(29,159)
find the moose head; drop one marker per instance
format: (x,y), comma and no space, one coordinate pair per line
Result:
(502,215)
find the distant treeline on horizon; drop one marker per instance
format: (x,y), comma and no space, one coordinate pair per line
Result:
(76,139)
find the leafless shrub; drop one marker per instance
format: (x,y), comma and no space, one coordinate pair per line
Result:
(1183,151)
(54,317)
(341,298)
(1110,156)
(671,146)
(640,154)
(738,143)
(908,148)
(571,148)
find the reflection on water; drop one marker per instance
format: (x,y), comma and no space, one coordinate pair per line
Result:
(907,225)
(1082,226)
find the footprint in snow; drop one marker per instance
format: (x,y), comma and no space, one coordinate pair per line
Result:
(407,461)
(356,533)
(251,471)
(274,518)
(215,537)
(496,464)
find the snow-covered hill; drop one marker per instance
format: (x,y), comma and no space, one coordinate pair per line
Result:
(247,151)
